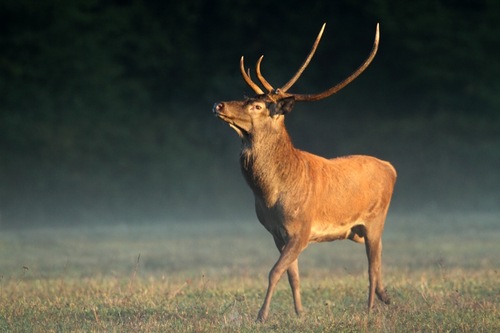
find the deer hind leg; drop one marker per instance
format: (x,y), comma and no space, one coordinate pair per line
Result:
(373,244)
(287,262)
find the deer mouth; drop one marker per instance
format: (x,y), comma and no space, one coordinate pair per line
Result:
(231,123)
(222,116)
(218,111)
(238,129)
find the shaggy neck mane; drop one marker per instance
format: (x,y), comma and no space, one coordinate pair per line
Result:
(269,161)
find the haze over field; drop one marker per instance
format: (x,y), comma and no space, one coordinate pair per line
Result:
(105,108)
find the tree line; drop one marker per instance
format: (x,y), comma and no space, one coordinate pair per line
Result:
(105,105)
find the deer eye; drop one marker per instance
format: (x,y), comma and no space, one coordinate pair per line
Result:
(258,107)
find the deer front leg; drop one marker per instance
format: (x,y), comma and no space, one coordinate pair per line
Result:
(294,280)
(289,255)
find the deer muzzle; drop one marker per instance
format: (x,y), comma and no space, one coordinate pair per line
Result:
(217,108)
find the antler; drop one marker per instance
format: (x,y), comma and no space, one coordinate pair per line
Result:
(294,79)
(262,80)
(307,97)
(247,78)
(345,82)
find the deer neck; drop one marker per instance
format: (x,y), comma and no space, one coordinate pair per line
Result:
(269,161)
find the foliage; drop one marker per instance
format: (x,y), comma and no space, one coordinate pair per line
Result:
(105,105)
(442,51)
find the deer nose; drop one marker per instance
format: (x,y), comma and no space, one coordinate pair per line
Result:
(218,107)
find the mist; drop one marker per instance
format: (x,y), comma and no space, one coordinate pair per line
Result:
(105,115)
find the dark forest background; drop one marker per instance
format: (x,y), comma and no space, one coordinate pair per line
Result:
(105,106)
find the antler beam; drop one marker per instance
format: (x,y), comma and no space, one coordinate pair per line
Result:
(306,97)
(345,82)
(294,79)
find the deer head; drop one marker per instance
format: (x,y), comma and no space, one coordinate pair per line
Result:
(252,113)
(243,115)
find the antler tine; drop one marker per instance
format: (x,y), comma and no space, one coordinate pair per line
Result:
(247,78)
(294,79)
(262,80)
(345,82)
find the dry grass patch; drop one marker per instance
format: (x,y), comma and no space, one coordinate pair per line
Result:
(441,273)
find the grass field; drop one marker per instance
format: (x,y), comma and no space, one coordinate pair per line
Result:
(441,270)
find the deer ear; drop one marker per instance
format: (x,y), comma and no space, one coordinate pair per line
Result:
(283,106)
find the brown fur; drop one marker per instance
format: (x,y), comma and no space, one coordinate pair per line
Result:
(302,198)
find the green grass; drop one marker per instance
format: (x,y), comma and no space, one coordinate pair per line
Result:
(441,270)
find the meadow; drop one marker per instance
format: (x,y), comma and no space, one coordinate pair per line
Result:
(440,269)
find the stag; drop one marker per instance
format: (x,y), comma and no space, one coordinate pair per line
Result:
(302,198)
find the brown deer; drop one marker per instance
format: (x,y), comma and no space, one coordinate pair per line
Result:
(300,197)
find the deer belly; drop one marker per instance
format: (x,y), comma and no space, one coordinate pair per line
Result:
(328,233)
